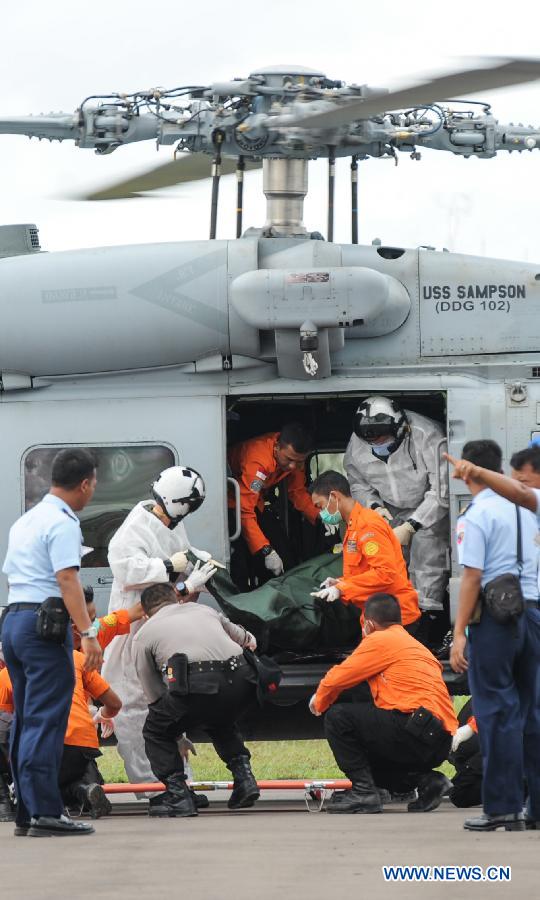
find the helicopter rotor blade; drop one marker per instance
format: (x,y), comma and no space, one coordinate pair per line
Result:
(185,168)
(503,73)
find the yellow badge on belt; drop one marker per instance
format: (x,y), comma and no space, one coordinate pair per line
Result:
(109,620)
(371,548)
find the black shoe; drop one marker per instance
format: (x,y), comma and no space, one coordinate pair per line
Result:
(201,801)
(356,801)
(510,822)
(174,803)
(93,799)
(21,829)
(531,824)
(7,809)
(245,789)
(57,826)
(431,790)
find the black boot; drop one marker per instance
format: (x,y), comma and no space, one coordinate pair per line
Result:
(510,822)
(93,799)
(363,797)
(431,789)
(176,802)
(245,790)
(7,812)
(201,801)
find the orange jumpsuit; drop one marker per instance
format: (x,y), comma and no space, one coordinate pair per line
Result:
(109,626)
(81,730)
(402,674)
(254,466)
(373,563)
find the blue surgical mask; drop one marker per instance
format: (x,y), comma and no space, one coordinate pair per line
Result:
(330,518)
(382,449)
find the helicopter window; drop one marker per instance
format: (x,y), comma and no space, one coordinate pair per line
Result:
(321,462)
(390,252)
(124,477)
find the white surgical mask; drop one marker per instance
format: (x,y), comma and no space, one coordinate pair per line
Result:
(382,449)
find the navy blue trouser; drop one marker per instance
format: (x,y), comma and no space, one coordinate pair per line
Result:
(504,676)
(43,680)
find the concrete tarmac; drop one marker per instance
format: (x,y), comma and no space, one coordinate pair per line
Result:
(276,850)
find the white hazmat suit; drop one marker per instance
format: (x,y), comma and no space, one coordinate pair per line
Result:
(405,482)
(136,555)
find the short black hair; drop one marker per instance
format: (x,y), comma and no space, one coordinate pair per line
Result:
(530,456)
(484,453)
(88,591)
(383,609)
(157,595)
(297,436)
(330,481)
(71,466)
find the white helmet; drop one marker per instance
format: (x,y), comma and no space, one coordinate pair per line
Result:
(378,416)
(179,491)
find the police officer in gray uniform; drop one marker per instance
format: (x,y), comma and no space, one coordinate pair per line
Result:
(42,566)
(190,663)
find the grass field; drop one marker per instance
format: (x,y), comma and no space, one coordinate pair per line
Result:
(270,759)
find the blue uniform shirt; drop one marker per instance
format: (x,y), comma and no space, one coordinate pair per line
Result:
(43,541)
(487,540)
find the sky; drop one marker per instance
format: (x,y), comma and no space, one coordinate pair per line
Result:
(55,53)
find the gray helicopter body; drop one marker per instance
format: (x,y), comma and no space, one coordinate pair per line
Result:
(156,354)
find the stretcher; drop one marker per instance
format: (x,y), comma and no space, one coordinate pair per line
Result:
(315,792)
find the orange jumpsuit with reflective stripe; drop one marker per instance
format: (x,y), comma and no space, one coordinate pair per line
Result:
(373,563)
(254,466)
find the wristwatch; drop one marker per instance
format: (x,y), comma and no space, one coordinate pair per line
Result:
(182,588)
(266,550)
(91,632)
(416,525)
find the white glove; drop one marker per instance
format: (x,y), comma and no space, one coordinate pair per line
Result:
(404,533)
(330,594)
(250,642)
(203,555)
(329,529)
(384,512)
(328,582)
(185,747)
(273,563)
(179,561)
(462,734)
(107,725)
(312,708)
(199,576)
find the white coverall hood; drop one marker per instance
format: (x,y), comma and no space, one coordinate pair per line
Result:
(136,554)
(405,483)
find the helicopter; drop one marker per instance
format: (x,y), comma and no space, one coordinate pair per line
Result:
(163,353)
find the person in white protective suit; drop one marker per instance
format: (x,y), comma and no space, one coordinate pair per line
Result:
(393,466)
(149,548)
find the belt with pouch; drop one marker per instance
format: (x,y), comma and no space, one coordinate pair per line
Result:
(217,665)
(17,607)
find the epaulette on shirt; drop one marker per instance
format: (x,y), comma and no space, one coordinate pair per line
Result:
(465,509)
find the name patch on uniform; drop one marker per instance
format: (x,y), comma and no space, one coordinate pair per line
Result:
(368,534)
(256,485)
(262,475)
(352,546)
(371,548)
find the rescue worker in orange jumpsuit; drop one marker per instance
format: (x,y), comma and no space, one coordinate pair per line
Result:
(395,735)
(81,744)
(263,551)
(372,557)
